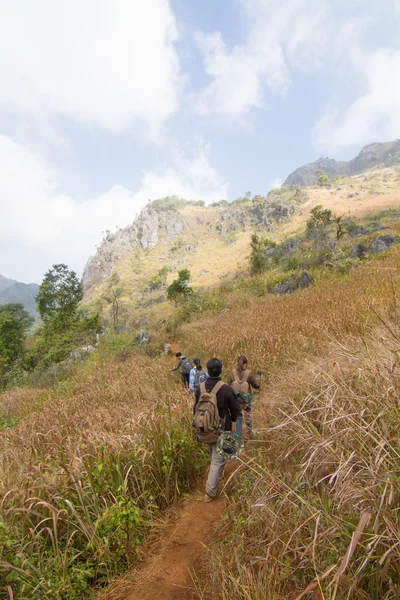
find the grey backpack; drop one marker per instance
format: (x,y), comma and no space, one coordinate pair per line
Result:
(186,365)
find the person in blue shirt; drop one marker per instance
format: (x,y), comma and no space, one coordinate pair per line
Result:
(196,375)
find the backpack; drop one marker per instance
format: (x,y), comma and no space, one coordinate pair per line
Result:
(200,377)
(241,387)
(207,421)
(186,365)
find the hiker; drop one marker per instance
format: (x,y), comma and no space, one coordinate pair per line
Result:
(185,366)
(196,375)
(228,410)
(241,379)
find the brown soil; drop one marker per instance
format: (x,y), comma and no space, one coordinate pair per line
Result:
(166,572)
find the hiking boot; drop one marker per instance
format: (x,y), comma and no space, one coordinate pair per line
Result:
(207,498)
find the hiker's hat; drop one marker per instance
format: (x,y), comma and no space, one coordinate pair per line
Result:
(196,361)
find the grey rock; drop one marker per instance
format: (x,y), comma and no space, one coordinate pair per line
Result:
(357,251)
(166,349)
(359,232)
(377,247)
(288,245)
(285,287)
(304,281)
(143,337)
(386,239)
(142,234)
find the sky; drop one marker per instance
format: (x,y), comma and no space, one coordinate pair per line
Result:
(105,105)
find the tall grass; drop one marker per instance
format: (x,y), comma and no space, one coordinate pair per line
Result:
(83,477)
(315,513)
(278,331)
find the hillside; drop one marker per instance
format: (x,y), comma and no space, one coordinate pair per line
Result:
(213,242)
(378,154)
(100,475)
(15,291)
(101,456)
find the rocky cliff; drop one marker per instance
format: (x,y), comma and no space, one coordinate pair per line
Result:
(191,225)
(145,232)
(386,154)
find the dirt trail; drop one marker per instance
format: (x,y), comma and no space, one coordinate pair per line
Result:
(165,574)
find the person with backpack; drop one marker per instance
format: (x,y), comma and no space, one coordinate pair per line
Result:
(197,375)
(185,366)
(240,380)
(215,408)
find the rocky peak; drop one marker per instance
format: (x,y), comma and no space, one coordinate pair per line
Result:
(145,232)
(386,154)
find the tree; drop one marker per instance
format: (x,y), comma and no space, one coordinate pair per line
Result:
(11,338)
(17,311)
(59,295)
(320,217)
(179,290)
(259,252)
(113,297)
(323,179)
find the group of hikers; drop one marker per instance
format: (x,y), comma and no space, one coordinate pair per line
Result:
(217,405)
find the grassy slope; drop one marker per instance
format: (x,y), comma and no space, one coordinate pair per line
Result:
(104,442)
(377,189)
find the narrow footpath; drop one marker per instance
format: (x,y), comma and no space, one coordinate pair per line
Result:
(166,572)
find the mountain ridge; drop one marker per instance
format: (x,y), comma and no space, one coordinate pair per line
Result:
(386,154)
(12,290)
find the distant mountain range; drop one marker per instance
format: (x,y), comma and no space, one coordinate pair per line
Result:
(386,155)
(14,291)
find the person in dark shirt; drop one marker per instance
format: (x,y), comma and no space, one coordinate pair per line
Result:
(228,408)
(185,366)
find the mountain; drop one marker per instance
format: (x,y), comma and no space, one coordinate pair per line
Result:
(15,291)
(178,234)
(383,154)
(213,242)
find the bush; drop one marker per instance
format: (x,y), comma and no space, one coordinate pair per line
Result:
(277,191)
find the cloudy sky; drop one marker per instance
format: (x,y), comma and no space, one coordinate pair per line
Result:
(104,105)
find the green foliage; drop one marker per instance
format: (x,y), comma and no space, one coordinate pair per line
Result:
(159,280)
(59,295)
(323,179)
(220,204)
(17,311)
(173,203)
(11,337)
(320,217)
(121,529)
(258,257)
(277,191)
(179,290)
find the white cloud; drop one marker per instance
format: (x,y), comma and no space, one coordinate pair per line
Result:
(373,116)
(40,226)
(96,61)
(280,35)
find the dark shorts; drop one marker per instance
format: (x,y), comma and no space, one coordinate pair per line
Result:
(185,378)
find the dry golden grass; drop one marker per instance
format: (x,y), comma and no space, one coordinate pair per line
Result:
(274,331)
(83,474)
(211,254)
(315,513)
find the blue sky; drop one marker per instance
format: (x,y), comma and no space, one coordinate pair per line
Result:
(104,105)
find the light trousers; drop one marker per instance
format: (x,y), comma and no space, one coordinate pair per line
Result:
(216,469)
